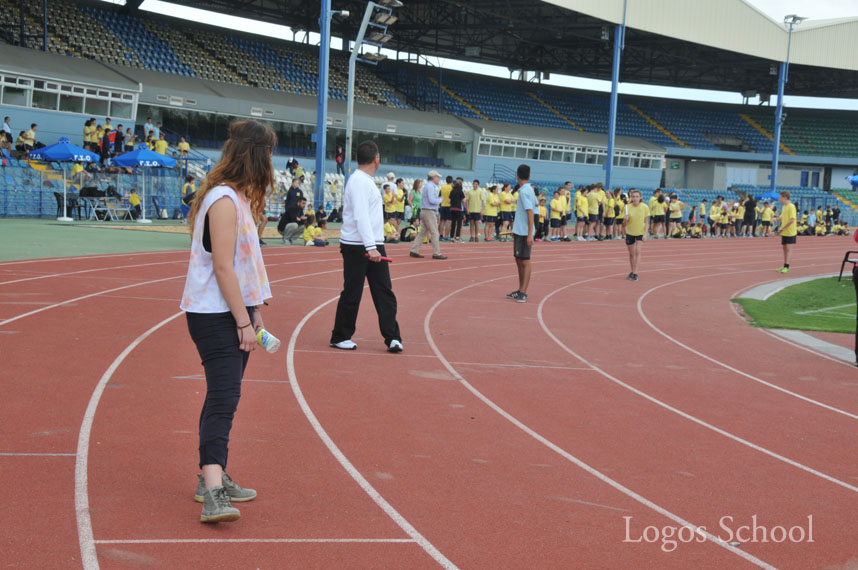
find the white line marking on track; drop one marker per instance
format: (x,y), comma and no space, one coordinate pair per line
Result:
(9,454)
(89,271)
(557,449)
(89,557)
(723,364)
(260,541)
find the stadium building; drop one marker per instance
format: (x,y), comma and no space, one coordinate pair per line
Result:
(100,60)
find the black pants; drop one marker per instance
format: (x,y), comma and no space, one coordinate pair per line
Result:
(356,269)
(456,223)
(224,362)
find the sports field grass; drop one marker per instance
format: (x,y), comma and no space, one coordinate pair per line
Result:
(820,305)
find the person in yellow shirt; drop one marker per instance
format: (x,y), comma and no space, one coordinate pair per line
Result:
(676,206)
(581,217)
(312,234)
(654,198)
(540,216)
(766,217)
(637,221)
(161,145)
(507,205)
(184,147)
(820,229)
(659,218)
(398,203)
(715,218)
(107,125)
(391,234)
(389,199)
(134,200)
(558,210)
(444,209)
(619,213)
(566,196)
(492,217)
(610,214)
(88,135)
(697,231)
(595,201)
(474,205)
(788,228)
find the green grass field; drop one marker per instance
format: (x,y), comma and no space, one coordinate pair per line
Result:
(821,305)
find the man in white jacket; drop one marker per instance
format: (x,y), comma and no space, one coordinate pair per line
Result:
(362,247)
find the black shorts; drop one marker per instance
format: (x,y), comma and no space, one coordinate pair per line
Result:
(594,218)
(630,240)
(399,215)
(787,240)
(711,222)
(489,219)
(582,218)
(675,220)
(767,224)
(520,249)
(389,215)
(444,212)
(609,221)
(723,226)
(506,216)
(474,217)
(658,219)
(555,222)
(566,219)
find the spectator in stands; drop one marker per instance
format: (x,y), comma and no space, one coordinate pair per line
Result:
(429,218)
(20,142)
(30,141)
(291,223)
(148,128)
(7,129)
(130,138)
(156,132)
(107,125)
(294,193)
(106,145)
(341,161)
(161,145)
(184,147)
(118,140)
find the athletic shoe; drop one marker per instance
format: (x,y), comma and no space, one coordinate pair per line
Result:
(418,255)
(237,493)
(344,345)
(555,239)
(513,295)
(783,270)
(539,239)
(521,297)
(489,239)
(395,346)
(217,507)
(439,256)
(634,277)
(631,277)
(261,242)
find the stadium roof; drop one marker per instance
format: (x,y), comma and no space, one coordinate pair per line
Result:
(722,45)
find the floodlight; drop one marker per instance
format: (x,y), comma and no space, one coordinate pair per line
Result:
(344,13)
(379,37)
(376,57)
(391,3)
(385,19)
(794,19)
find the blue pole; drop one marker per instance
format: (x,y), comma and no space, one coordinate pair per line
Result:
(612,117)
(322,116)
(778,120)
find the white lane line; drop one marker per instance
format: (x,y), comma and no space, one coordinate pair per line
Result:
(66,302)
(826,309)
(48,276)
(557,449)
(10,454)
(722,364)
(89,557)
(260,541)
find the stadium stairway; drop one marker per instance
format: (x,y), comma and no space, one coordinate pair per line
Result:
(658,125)
(555,111)
(467,105)
(760,128)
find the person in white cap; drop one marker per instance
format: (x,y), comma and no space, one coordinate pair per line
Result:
(429,217)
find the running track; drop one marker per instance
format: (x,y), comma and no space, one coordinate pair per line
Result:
(505,436)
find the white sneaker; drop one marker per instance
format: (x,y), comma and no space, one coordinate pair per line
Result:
(344,345)
(395,346)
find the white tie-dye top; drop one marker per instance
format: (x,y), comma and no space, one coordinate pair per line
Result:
(202,293)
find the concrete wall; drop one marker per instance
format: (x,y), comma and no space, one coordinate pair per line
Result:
(52,124)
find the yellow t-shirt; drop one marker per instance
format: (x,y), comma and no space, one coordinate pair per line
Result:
(557,207)
(161,146)
(820,230)
(492,204)
(657,208)
(621,207)
(768,214)
(184,148)
(188,188)
(504,207)
(636,219)
(741,212)
(445,195)
(695,231)
(542,213)
(77,168)
(309,233)
(399,203)
(474,196)
(788,214)
(134,199)
(567,198)
(652,202)
(581,206)
(715,212)
(108,127)
(675,210)
(389,198)
(89,134)
(389,229)
(609,208)
(593,201)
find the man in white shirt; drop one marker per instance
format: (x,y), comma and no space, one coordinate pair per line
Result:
(7,129)
(362,247)
(148,127)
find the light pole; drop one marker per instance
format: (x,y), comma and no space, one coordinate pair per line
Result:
(783,77)
(619,46)
(377,16)
(320,136)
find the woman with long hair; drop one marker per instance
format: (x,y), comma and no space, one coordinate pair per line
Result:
(457,196)
(225,289)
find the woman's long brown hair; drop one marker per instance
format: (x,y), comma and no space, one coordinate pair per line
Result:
(245,166)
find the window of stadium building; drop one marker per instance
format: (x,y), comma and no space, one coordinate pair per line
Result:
(67,97)
(550,152)
(414,151)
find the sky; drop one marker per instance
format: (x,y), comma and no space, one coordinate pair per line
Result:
(775,9)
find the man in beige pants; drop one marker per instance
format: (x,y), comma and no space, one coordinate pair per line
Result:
(429,217)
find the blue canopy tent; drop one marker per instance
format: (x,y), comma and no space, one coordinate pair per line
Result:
(768,196)
(142,157)
(63,152)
